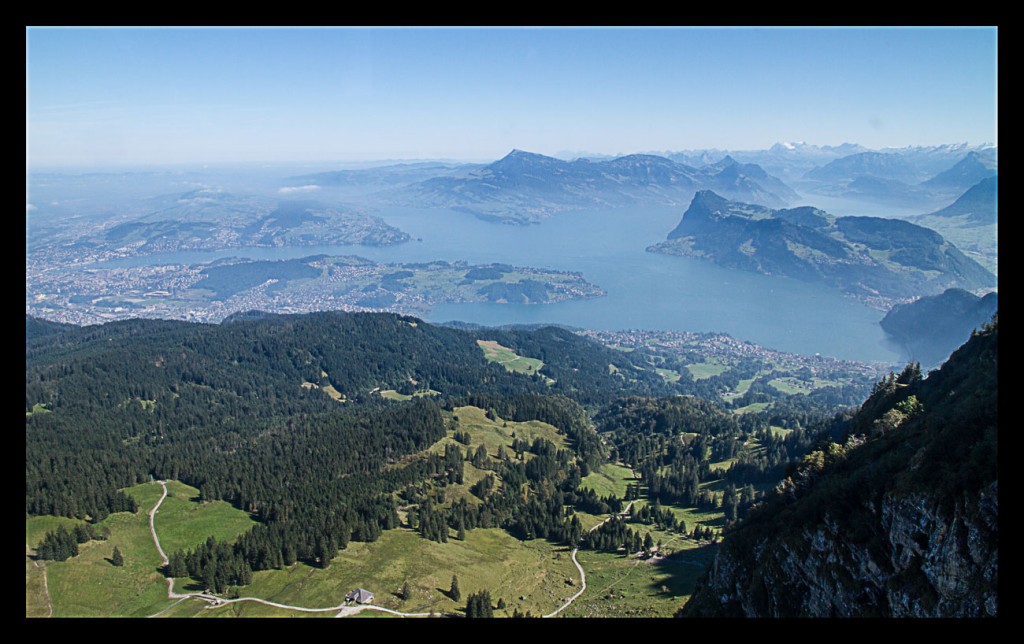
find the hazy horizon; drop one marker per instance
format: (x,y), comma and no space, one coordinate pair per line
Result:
(126,97)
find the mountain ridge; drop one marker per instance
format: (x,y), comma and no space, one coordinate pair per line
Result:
(900,520)
(866,257)
(525,187)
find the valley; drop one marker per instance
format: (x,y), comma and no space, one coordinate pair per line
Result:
(527,322)
(514,475)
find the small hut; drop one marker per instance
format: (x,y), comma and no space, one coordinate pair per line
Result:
(360,596)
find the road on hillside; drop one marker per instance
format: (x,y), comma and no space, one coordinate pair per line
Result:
(343,609)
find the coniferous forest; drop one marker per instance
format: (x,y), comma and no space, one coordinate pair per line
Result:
(240,411)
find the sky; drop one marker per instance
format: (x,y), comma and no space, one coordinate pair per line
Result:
(120,96)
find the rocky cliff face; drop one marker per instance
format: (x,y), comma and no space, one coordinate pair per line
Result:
(927,563)
(901,521)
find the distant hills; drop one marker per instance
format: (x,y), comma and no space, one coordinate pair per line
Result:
(524,187)
(369,180)
(910,177)
(932,327)
(208,219)
(869,257)
(792,161)
(971,222)
(967,172)
(870,164)
(980,203)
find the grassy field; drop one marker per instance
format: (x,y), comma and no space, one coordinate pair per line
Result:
(493,433)
(704,370)
(507,358)
(624,586)
(391,394)
(37,527)
(790,385)
(38,408)
(90,586)
(670,375)
(182,522)
(752,407)
(333,393)
(36,596)
(327,388)
(610,479)
(693,516)
(527,575)
(779,431)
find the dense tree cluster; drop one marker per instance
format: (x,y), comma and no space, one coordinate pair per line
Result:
(60,544)
(217,564)
(656,515)
(479,605)
(612,536)
(571,361)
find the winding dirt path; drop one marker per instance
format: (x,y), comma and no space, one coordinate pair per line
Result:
(217,602)
(344,610)
(46,587)
(583,575)
(152,528)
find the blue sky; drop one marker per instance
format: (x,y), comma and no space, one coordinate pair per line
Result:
(152,96)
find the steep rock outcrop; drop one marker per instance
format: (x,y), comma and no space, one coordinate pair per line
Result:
(901,521)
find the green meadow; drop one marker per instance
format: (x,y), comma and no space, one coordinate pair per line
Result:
(89,585)
(609,479)
(703,370)
(507,358)
(528,575)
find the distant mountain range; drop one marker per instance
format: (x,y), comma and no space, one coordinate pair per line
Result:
(869,164)
(901,178)
(971,222)
(932,327)
(791,161)
(214,219)
(869,257)
(524,187)
(968,172)
(980,203)
(369,180)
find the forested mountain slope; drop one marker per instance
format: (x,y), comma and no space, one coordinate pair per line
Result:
(901,520)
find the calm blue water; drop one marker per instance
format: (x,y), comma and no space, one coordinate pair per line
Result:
(645,290)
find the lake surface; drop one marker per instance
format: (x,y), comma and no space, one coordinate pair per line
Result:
(645,290)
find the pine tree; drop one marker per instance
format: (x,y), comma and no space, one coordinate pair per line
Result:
(176,565)
(454,593)
(406,591)
(479,605)
(117,559)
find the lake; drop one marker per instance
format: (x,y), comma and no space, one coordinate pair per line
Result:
(645,290)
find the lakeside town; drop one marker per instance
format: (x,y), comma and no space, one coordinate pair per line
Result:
(197,292)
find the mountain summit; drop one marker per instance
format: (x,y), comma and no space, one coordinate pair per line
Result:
(869,257)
